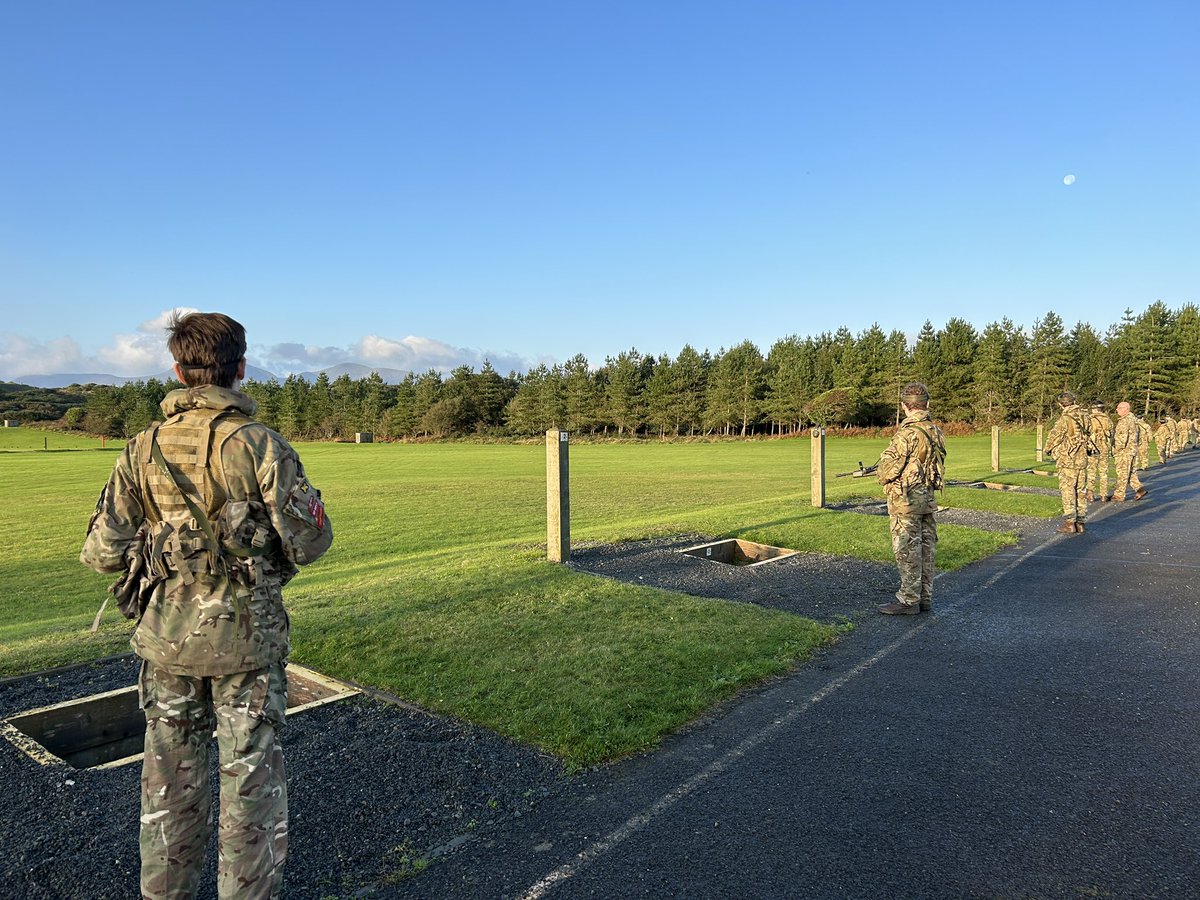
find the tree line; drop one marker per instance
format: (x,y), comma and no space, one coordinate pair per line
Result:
(1002,374)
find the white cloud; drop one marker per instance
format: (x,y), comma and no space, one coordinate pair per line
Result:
(23,356)
(145,351)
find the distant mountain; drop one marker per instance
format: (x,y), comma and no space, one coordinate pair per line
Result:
(63,380)
(355,371)
(58,381)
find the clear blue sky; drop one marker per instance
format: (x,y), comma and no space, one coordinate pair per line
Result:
(530,180)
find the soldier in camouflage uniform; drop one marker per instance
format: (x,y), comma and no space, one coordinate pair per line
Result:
(1164,438)
(225,514)
(910,470)
(1127,437)
(1068,443)
(1101,427)
(1145,436)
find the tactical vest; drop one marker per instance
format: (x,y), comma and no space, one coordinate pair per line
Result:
(181,502)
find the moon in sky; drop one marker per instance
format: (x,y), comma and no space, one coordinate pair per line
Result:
(1069,180)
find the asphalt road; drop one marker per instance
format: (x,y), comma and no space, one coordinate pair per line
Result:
(1037,736)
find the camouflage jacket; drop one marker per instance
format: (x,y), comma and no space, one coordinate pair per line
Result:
(1068,441)
(911,467)
(214,610)
(1146,432)
(1101,427)
(1127,436)
(1165,436)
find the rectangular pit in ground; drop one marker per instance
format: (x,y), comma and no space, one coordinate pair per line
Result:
(108,730)
(734,552)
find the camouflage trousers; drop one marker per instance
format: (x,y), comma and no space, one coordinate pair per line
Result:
(914,540)
(1097,474)
(1072,485)
(1127,476)
(247,710)
(1165,451)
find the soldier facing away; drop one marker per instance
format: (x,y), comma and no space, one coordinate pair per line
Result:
(911,469)
(1127,440)
(1101,427)
(216,509)
(1068,443)
(1164,438)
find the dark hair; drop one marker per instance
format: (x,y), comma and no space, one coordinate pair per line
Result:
(1066,398)
(207,346)
(915,395)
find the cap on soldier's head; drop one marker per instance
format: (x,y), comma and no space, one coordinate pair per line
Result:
(914,390)
(1066,398)
(1097,405)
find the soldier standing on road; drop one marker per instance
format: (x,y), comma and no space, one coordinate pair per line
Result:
(1127,438)
(911,469)
(1098,462)
(1145,436)
(226,514)
(1164,438)
(1068,443)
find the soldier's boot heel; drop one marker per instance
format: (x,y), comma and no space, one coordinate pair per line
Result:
(1079,529)
(1066,528)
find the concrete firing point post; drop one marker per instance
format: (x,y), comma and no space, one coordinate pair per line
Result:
(558,496)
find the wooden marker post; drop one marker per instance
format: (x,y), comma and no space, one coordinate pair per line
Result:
(818,467)
(558,496)
(995,448)
(1040,444)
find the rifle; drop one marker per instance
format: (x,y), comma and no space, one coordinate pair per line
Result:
(861,472)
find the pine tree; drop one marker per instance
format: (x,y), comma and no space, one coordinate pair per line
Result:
(1153,358)
(1049,359)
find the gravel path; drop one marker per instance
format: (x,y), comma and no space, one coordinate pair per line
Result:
(372,788)
(985,520)
(816,585)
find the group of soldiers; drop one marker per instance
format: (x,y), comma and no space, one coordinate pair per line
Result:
(1086,445)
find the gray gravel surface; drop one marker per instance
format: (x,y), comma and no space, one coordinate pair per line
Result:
(372,787)
(985,520)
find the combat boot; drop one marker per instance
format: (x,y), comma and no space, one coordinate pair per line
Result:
(897,608)
(1079,529)
(1115,499)
(926,606)
(1141,492)
(1088,495)
(1066,528)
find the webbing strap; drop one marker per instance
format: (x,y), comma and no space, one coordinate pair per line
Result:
(197,512)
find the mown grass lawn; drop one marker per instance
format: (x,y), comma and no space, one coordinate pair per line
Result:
(438,591)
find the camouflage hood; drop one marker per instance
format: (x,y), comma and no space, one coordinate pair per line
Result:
(207,396)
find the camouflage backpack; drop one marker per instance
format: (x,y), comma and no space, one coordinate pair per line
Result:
(1079,435)
(932,461)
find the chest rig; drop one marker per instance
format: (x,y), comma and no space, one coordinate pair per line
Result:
(184,491)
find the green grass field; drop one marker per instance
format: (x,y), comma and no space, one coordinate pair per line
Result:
(438,591)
